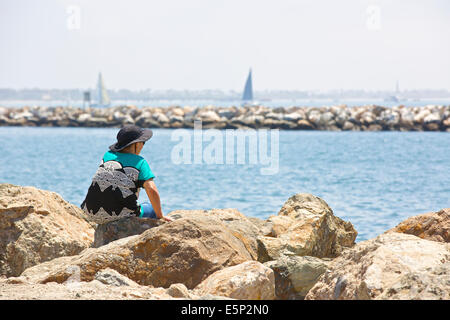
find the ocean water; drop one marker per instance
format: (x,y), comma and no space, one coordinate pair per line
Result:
(373,179)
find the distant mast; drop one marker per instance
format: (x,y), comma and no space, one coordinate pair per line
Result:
(248,90)
(103,98)
(394,98)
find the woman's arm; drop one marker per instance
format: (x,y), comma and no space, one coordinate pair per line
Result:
(153,196)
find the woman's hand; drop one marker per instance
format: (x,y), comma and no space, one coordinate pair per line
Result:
(153,195)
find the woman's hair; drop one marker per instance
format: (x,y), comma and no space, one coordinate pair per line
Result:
(130,147)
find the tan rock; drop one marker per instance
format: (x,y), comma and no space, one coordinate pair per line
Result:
(185,251)
(433,284)
(179,290)
(348,125)
(393,265)
(37,226)
(207,116)
(374,127)
(420,116)
(278,225)
(446,122)
(238,224)
(304,205)
(261,225)
(161,118)
(431,226)
(250,280)
(367,118)
(433,117)
(314,116)
(276,124)
(431,126)
(304,125)
(306,226)
(92,290)
(177,111)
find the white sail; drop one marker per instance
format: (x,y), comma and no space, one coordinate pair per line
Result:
(103,98)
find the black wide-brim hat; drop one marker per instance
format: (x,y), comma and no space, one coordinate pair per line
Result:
(128,135)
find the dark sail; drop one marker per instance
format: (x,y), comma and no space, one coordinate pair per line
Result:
(248,90)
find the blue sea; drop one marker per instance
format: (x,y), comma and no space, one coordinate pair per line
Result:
(373,179)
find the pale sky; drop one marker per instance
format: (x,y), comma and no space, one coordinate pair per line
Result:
(211,44)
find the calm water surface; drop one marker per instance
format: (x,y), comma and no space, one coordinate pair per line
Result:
(373,179)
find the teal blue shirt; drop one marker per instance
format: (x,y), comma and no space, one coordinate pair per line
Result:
(131,160)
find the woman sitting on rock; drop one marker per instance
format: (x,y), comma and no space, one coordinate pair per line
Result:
(115,187)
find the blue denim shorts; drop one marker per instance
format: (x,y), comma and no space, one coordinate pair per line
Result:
(148,211)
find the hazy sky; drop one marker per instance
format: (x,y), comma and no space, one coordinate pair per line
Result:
(211,44)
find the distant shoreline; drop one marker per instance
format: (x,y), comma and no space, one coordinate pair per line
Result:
(228,102)
(328,118)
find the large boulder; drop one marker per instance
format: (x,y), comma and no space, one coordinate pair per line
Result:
(391,266)
(38,226)
(431,226)
(295,276)
(184,251)
(305,226)
(250,280)
(238,224)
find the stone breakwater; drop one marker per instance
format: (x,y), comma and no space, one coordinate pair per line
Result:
(48,250)
(333,118)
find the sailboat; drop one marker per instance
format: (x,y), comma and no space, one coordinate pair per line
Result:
(103,100)
(394,98)
(247,97)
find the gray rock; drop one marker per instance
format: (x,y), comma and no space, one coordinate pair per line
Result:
(227,113)
(295,276)
(295,116)
(111,231)
(111,277)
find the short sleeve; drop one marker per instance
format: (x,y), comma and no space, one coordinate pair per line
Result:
(145,172)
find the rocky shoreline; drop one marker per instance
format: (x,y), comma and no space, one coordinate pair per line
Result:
(49,250)
(332,118)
